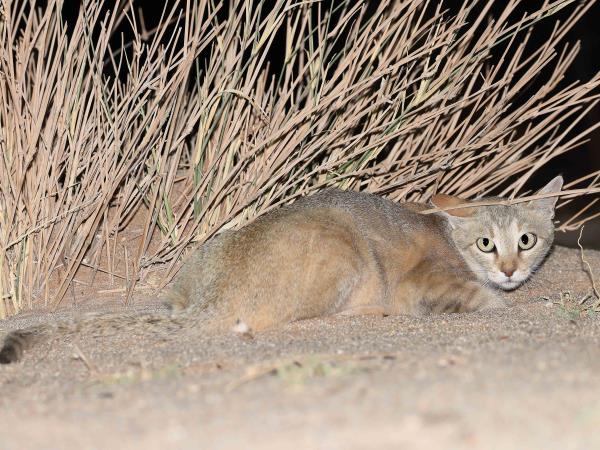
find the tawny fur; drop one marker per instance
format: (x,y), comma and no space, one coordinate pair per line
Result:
(335,252)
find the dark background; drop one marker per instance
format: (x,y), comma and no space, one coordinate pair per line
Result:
(572,165)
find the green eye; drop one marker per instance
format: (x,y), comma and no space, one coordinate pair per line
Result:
(485,245)
(527,241)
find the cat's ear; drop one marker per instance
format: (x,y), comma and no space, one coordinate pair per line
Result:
(547,204)
(446,201)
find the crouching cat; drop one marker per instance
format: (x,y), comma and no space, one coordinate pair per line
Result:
(343,252)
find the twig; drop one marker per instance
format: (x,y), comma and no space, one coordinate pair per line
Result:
(91,367)
(49,222)
(587,264)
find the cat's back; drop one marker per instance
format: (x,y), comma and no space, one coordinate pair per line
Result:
(371,213)
(328,226)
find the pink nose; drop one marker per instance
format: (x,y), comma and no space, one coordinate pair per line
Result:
(508,272)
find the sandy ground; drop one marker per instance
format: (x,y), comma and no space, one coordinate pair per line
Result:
(524,377)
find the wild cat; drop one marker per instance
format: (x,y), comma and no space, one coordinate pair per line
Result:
(344,252)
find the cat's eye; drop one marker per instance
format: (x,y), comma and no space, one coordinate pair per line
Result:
(485,245)
(527,241)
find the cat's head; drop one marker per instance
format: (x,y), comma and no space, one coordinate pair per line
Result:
(503,244)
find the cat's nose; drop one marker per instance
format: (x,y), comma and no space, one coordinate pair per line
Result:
(508,271)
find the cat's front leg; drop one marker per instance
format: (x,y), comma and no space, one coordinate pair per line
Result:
(480,298)
(455,296)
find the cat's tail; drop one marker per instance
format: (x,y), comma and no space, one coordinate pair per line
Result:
(18,341)
(167,323)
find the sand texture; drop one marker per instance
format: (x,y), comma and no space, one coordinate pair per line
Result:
(524,377)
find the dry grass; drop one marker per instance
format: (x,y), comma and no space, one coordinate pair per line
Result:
(203,129)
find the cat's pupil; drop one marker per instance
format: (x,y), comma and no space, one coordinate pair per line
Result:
(524,239)
(485,242)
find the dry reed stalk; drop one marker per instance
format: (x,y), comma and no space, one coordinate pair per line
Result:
(201,129)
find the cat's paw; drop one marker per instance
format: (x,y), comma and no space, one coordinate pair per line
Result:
(491,300)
